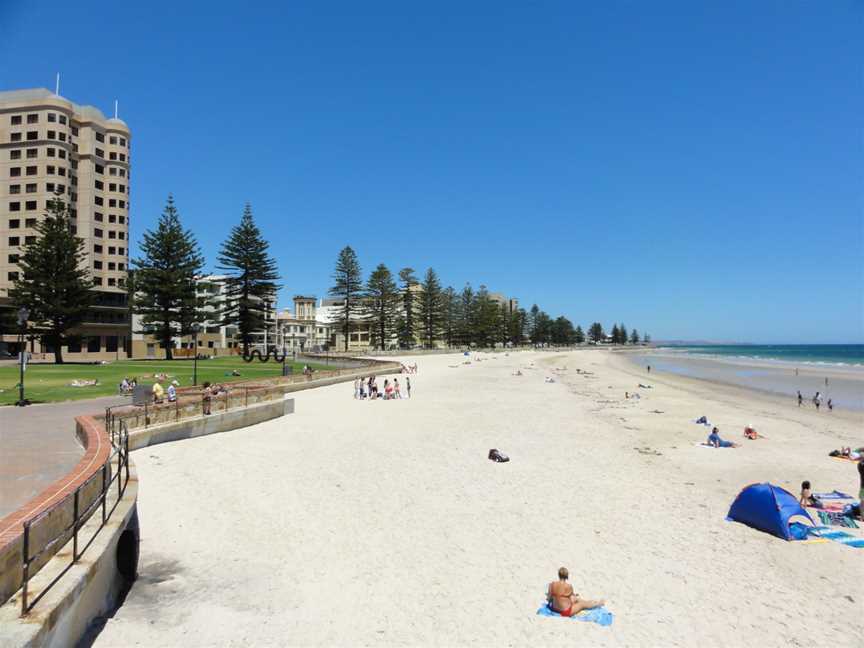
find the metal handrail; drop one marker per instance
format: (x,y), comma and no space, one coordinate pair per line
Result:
(119,436)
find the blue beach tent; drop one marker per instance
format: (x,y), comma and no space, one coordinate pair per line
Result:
(771,509)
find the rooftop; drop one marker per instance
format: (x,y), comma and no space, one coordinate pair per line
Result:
(30,95)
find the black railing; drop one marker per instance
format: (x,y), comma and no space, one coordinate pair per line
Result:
(119,456)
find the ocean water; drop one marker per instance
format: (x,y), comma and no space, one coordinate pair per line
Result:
(838,354)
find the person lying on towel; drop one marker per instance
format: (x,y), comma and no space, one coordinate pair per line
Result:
(563,600)
(715,440)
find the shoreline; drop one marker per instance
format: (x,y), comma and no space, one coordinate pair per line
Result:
(845,386)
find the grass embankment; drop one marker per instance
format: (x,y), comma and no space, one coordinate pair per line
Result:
(45,383)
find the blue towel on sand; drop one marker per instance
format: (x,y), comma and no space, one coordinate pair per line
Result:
(838,536)
(600,615)
(833,495)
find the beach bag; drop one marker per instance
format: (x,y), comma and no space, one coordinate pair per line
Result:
(498,456)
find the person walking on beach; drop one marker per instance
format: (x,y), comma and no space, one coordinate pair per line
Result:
(649,368)
(563,600)
(800,398)
(206,396)
(830,405)
(408,386)
(356,388)
(817,400)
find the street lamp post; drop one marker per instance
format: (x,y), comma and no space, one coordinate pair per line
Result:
(23,315)
(195,329)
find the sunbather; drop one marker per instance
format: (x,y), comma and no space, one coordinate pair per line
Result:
(563,600)
(715,440)
(807,498)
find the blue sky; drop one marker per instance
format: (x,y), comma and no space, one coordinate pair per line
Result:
(691,169)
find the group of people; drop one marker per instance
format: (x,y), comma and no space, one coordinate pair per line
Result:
(160,393)
(817,401)
(368,388)
(128,386)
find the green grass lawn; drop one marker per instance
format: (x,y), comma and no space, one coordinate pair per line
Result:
(44,383)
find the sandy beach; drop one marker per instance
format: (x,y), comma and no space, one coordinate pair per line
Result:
(384,523)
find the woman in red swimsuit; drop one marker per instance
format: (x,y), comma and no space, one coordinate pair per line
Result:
(563,600)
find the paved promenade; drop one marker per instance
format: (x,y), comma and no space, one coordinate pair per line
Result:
(38,446)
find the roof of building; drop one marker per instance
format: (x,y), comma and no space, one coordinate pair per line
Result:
(41,94)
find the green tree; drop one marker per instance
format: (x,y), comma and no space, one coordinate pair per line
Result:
(562,331)
(543,328)
(579,336)
(52,282)
(451,315)
(407,324)
(532,323)
(634,337)
(596,332)
(250,289)
(517,326)
(467,316)
(486,324)
(431,308)
(616,334)
(164,287)
(381,306)
(646,338)
(622,334)
(348,284)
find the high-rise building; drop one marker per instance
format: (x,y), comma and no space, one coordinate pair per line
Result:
(49,144)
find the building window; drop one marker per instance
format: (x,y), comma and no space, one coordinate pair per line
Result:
(121,282)
(16,120)
(122,141)
(112,140)
(100,153)
(31,205)
(61,171)
(49,170)
(112,218)
(14,223)
(32,170)
(13,258)
(112,202)
(112,234)
(61,154)
(14,241)
(51,135)
(112,187)
(112,171)
(31,188)
(74,130)
(122,157)
(111,343)
(121,266)
(98,200)
(112,281)
(122,219)
(51,151)
(14,189)
(30,222)
(73,345)
(63,121)
(49,187)
(32,153)
(121,235)
(100,185)
(97,233)
(100,138)
(13,276)
(111,265)
(97,281)
(97,265)
(29,240)
(33,118)
(14,137)
(14,172)
(97,249)
(100,168)
(122,204)
(52,117)
(94,344)
(62,137)
(121,250)
(14,206)
(15,154)
(98,216)
(122,173)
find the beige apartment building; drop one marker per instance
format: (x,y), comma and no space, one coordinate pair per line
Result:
(50,144)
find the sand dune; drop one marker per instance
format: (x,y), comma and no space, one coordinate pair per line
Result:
(381,523)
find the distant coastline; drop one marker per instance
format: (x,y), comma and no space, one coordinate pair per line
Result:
(813,354)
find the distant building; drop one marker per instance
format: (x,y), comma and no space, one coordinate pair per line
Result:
(50,144)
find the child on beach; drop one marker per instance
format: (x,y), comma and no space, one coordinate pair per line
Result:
(807,498)
(396,393)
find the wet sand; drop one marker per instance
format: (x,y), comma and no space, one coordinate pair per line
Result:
(384,523)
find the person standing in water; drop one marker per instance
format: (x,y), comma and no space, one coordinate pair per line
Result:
(649,368)
(800,398)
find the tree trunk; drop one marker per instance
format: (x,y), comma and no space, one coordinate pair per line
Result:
(58,352)
(166,342)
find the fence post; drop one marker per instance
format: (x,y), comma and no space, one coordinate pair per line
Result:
(104,490)
(126,452)
(246,394)
(146,418)
(25,575)
(75,527)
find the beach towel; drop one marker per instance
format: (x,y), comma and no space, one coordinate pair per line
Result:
(838,536)
(837,518)
(599,615)
(832,495)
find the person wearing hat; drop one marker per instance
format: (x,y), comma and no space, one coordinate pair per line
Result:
(172,391)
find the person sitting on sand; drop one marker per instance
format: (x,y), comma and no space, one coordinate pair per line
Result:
(563,600)
(715,440)
(751,433)
(807,498)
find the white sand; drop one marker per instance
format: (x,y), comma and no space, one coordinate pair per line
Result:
(358,523)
